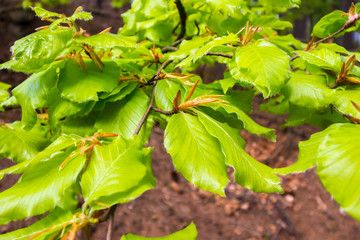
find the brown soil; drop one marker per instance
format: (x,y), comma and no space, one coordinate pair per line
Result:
(305,211)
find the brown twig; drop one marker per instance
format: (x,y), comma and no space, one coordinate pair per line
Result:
(152,98)
(111,223)
(182,14)
(162,111)
(330,36)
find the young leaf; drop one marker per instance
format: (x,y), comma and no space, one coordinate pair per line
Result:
(263,65)
(344,96)
(73,80)
(335,151)
(189,233)
(41,189)
(309,91)
(113,169)
(195,153)
(246,122)
(323,58)
(249,173)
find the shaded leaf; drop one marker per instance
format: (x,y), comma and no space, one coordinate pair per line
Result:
(123,116)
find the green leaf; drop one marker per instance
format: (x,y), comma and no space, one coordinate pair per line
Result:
(271,22)
(62,142)
(109,40)
(43,13)
(20,145)
(189,233)
(54,221)
(309,91)
(34,92)
(32,52)
(113,169)
(344,96)
(4,94)
(81,15)
(120,92)
(165,93)
(249,173)
(335,151)
(329,24)
(245,121)
(281,3)
(195,153)
(323,58)
(263,65)
(277,105)
(188,47)
(213,43)
(123,116)
(73,80)
(41,189)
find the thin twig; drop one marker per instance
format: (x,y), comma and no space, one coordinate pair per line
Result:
(152,98)
(162,111)
(110,225)
(330,36)
(182,14)
(219,54)
(163,66)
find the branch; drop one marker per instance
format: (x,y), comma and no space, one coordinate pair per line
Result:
(162,111)
(154,80)
(182,14)
(111,222)
(332,35)
(219,54)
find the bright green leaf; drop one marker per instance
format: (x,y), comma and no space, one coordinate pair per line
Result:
(196,154)
(114,168)
(73,80)
(263,65)
(41,189)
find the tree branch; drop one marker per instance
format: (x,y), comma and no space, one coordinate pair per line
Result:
(332,35)
(182,14)
(154,80)
(111,222)
(162,111)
